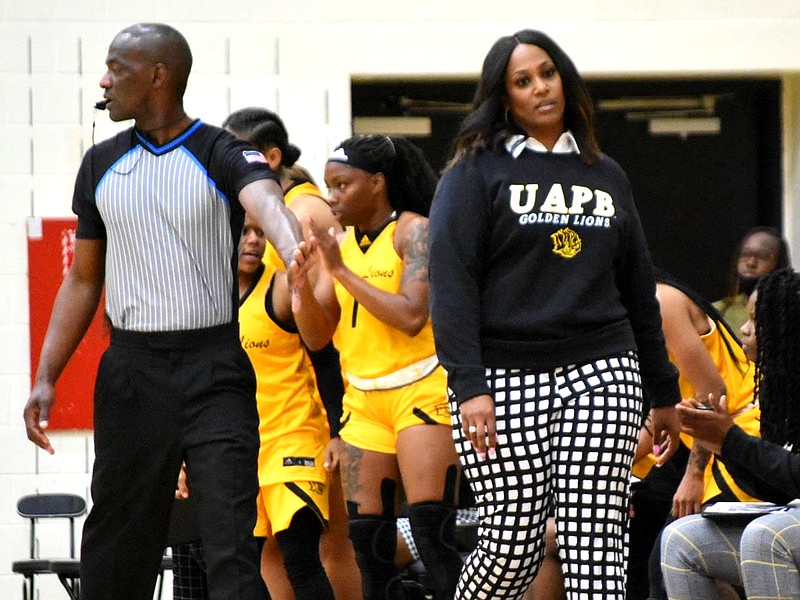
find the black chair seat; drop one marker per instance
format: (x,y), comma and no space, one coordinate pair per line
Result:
(31,566)
(69,567)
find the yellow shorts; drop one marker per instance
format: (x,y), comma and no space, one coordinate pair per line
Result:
(371,420)
(278,503)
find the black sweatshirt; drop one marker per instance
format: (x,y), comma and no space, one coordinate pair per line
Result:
(537,262)
(767,470)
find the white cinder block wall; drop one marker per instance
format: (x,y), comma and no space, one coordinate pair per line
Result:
(298,58)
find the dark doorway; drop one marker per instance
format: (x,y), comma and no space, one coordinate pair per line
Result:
(444,104)
(697,192)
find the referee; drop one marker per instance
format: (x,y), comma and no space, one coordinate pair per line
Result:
(160,209)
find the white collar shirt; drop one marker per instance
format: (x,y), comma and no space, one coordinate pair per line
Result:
(565,144)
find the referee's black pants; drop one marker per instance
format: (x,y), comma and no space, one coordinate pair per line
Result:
(161,398)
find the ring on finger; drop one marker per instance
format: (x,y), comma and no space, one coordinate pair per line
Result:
(472,429)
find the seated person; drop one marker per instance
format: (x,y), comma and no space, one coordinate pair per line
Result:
(761,251)
(761,555)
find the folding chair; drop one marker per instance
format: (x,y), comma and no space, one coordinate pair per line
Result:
(49,506)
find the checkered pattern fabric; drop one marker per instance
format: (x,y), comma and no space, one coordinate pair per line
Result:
(464,517)
(771,556)
(566,440)
(189,572)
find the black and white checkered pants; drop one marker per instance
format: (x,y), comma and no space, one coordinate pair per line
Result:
(566,440)
(189,572)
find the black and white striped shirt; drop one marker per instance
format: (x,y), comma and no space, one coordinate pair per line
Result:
(172,222)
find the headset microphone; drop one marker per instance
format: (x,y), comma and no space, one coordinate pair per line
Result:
(99,105)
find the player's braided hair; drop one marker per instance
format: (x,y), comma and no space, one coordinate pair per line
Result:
(777,318)
(410,180)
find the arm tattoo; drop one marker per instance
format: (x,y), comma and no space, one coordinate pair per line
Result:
(416,258)
(700,457)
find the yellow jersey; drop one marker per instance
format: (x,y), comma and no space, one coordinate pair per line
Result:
(369,348)
(737,372)
(293,427)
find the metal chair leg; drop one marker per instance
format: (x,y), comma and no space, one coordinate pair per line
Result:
(72,585)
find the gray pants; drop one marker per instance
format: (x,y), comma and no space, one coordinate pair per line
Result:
(763,556)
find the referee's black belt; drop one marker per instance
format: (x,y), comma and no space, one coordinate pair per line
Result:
(176,340)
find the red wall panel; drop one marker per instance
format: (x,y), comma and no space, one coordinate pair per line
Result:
(50,252)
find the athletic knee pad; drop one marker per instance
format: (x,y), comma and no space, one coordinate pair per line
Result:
(433,528)
(299,545)
(375,542)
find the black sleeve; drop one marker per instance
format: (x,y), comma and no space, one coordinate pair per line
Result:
(236,164)
(84,205)
(770,471)
(458,221)
(329,383)
(636,284)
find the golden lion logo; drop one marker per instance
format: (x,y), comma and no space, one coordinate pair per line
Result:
(315,487)
(566,243)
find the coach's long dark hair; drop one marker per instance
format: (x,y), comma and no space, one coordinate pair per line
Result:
(487,127)
(777,320)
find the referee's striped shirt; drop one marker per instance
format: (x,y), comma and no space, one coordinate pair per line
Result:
(172,222)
